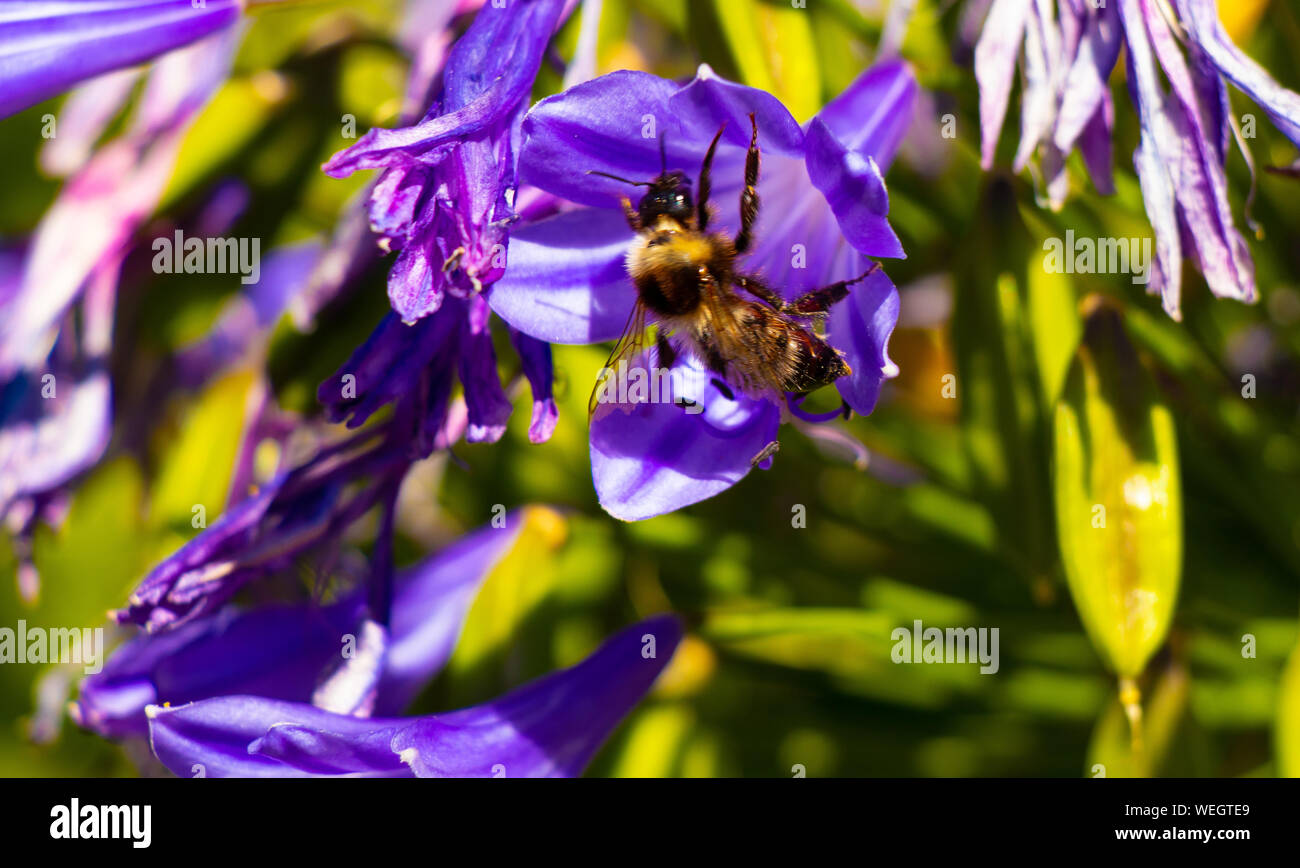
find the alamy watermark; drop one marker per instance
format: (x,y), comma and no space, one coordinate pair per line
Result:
(953,645)
(208,256)
(1098,256)
(53,645)
(626,384)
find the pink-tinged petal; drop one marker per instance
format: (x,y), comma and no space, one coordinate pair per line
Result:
(1201,17)
(995,66)
(1038,102)
(566,278)
(1191,155)
(84,118)
(860,327)
(101,207)
(1086,84)
(873,114)
(648,459)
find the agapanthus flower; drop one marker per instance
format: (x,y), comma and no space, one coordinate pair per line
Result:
(48,46)
(1178,61)
(824,211)
(444,201)
(286,651)
(550,727)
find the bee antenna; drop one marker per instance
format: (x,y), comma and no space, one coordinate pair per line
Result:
(617,178)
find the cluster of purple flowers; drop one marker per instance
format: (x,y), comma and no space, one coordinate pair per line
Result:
(265,691)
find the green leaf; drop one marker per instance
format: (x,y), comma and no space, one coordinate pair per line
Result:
(196,468)
(774,48)
(1118,498)
(1288,719)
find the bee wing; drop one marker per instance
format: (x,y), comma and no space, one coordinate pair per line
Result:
(753,361)
(630,343)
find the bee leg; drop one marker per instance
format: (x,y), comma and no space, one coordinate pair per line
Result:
(706,183)
(759,290)
(819,301)
(629,214)
(765,453)
(667,353)
(723,388)
(749,196)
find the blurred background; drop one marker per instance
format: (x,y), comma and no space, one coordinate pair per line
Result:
(957,519)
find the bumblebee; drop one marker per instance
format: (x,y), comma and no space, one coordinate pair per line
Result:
(687,280)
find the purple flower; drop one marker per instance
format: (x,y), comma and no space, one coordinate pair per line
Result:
(550,727)
(444,199)
(824,211)
(284,652)
(48,46)
(1177,84)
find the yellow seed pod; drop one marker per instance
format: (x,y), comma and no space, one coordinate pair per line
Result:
(1118,501)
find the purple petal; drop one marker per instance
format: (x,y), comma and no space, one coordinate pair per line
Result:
(247,736)
(614,123)
(47,47)
(281,652)
(1190,152)
(1095,144)
(44,442)
(566,280)
(551,727)
(648,459)
(483,87)
(873,114)
(855,190)
(548,728)
(860,327)
(83,119)
(489,408)
(995,65)
(535,359)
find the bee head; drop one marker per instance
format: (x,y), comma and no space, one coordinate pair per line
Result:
(669,196)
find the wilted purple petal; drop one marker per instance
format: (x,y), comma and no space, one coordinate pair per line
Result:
(45,441)
(995,66)
(1201,17)
(281,652)
(535,358)
(489,408)
(1086,84)
(83,119)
